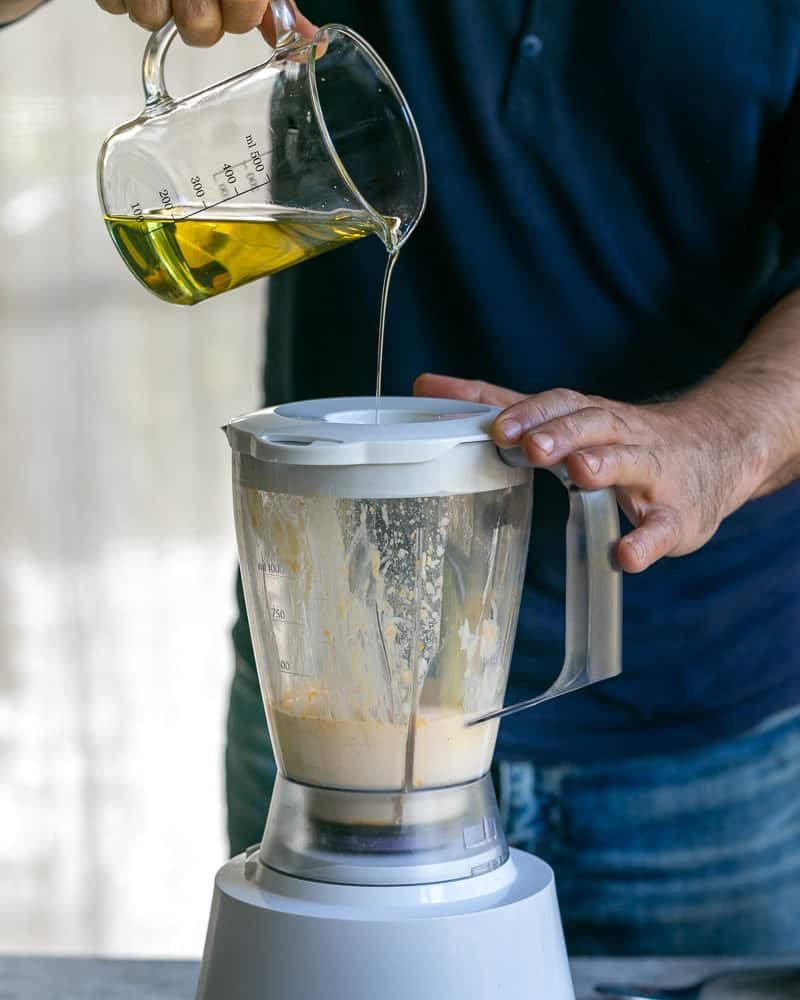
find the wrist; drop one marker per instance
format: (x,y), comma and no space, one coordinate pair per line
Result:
(733,438)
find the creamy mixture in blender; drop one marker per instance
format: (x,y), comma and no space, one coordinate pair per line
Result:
(368,754)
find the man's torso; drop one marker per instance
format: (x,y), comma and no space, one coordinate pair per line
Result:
(610,209)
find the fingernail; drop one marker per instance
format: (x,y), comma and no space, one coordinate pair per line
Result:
(635,548)
(510,430)
(592,461)
(544,443)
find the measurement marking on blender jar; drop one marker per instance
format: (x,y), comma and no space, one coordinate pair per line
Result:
(279,617)
(287,667)
(269,568)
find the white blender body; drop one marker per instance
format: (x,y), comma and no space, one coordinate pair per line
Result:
(382,565)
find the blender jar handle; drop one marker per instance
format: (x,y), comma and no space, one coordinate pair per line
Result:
(593,592)
(155,89)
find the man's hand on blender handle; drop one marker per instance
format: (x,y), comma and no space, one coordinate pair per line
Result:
(203,22)
(678,467)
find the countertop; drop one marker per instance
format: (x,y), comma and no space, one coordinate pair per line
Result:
(45,978)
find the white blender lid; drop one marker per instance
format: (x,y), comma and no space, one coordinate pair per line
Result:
(344,431)
(336,447)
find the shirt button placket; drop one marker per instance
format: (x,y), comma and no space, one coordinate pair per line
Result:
(525,83)
(530,46)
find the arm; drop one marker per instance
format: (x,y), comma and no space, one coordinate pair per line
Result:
(679,467)
(760,388)
(10,10)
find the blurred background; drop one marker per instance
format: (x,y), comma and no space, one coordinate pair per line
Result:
(117,553)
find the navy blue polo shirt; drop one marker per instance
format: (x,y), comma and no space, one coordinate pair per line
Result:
(614,199)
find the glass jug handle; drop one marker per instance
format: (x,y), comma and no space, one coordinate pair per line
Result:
(155,89)
(285,23)
(593,592)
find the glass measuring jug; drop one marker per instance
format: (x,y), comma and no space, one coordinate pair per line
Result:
(307,152)
(383,569)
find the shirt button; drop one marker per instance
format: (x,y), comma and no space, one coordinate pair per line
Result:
(530,46)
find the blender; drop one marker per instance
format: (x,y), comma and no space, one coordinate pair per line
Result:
(383,565)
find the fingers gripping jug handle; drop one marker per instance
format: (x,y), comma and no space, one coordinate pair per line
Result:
(155,89)
(593,592)
(285,24)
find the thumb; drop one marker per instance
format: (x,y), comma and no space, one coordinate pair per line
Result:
(658,534)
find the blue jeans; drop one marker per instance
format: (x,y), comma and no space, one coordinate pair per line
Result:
(691,853)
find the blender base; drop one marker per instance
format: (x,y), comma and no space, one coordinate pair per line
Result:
(275,937)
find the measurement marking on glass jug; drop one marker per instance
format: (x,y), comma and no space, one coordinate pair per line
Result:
(143,220)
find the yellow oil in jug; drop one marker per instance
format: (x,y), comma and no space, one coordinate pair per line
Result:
(190,260)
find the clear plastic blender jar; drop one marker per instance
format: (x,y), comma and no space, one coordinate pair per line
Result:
(384,624)
(383,568)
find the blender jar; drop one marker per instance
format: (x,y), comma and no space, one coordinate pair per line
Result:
(385,623)
(382,567)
